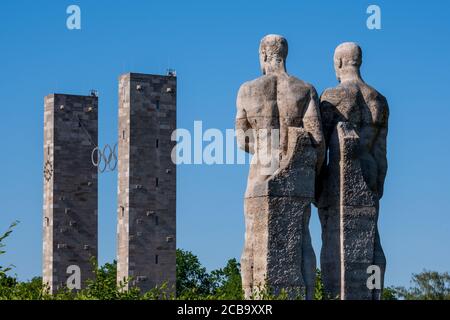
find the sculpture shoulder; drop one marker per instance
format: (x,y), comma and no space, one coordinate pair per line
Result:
(376,102)
(298,85)
(257,86)
(334,96)
(370,93)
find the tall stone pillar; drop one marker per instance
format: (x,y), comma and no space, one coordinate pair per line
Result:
(70,189)
(146,227)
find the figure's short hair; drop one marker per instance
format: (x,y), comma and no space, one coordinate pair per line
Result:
(348,54)
(274,46)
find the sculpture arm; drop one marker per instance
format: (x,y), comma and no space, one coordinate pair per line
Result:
(373,135)
(380,150)
(312,123)
(329,101)
(244,132)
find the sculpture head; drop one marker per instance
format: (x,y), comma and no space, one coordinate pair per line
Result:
(347,61)
(273,51)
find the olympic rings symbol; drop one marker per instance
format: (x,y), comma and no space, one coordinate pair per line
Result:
(105,159)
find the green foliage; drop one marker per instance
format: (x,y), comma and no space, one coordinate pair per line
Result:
(319,292)
(4,270)
(389,293)
(104,285)
(227,283)
(427,285)
(195,283)
(192,278)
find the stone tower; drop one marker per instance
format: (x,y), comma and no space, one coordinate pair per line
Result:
(70,189)
(147,181)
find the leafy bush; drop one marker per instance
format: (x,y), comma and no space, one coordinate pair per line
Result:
(427,285)
(194,283)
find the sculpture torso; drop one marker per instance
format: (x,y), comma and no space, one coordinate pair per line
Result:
(367,110)
(274,101)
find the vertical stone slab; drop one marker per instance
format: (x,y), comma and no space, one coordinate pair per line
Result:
(70,188)
(147,181)
(279,252)
(358,219)
(349,221)
(329,214)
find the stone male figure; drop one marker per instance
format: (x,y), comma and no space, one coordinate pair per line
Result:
(278,121)
(355,121)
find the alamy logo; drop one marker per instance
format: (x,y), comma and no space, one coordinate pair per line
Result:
(213,147)
(73,21)
(374,20)
(374,280)
(74,280)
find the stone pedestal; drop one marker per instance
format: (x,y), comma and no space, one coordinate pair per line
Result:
(278,254)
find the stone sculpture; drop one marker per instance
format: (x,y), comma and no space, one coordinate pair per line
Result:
(278,121)
(355,121)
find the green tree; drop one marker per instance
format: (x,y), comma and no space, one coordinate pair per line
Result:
(193,281)
(427,285)
(389,293)
(319,292)
(4,270)
(227,283)
(104,285)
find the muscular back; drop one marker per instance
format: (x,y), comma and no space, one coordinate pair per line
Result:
(367,110)
(275,101)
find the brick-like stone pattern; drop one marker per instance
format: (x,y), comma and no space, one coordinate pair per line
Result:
(147,181)
(70,187)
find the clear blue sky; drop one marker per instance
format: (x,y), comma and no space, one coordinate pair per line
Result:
(213,45)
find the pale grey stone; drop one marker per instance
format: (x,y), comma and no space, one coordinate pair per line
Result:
(281,183)
(355,119)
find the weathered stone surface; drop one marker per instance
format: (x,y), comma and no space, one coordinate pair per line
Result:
(147,181)
(278,121)
(70,188)
(355,118)
(281,254)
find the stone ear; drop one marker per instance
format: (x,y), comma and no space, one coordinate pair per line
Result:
(339,63)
